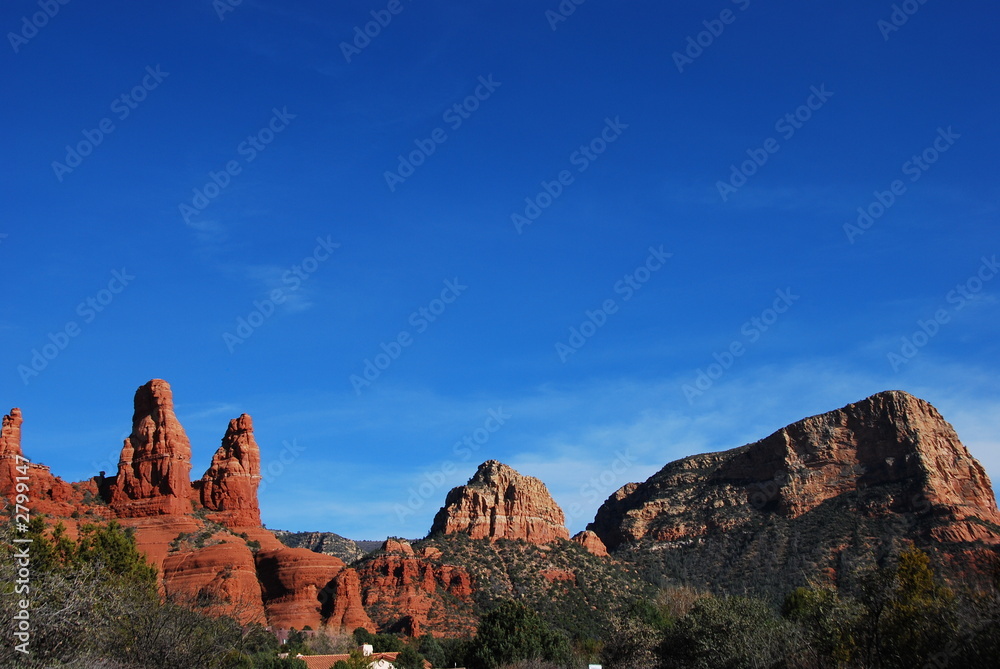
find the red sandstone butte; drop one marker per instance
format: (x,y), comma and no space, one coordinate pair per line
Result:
(500,503)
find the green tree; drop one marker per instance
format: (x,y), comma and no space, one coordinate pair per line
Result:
(409,658)
(731,632)
(909,615)
(432,649)
(363,636)
(112,548)
(632,643)
(829,624)
(356,660)
(512,632)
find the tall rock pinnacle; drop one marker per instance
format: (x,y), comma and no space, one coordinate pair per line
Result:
(10,434)
(10,449)
(154,471)
(230,484)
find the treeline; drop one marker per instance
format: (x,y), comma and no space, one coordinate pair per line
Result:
(900,617)
(94,604)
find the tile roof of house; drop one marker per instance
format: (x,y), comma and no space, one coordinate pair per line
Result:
(327,661)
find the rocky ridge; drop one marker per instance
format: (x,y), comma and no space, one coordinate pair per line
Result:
(814,495)
(812,501)
(323,542)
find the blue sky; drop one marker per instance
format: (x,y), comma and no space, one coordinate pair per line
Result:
(672,182)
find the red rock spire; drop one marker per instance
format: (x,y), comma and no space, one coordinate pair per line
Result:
(154,471)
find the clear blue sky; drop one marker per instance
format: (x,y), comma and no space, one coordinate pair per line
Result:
(630,126)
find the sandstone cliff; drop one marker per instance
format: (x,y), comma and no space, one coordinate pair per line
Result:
(305,588)
(500,503)
(884,469)
(413,593)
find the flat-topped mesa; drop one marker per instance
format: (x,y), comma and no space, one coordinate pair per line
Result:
(892,451)
(229,487)
(500,503)
(154,471)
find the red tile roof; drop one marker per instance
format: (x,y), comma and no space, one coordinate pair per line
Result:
(327,661)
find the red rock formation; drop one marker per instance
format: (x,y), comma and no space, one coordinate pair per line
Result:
(229,487)
(394,545)
(154,474)
(218,580)
(890,439)
(591,542)
(407,591)
(499,503)
(553,575)
(154,535)
(10,434)
(10,452)
(152,495)
(858,479)
(348,611)
(48,494)
(301,588)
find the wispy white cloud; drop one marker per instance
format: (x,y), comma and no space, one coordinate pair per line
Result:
(208,232)
(587,440)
